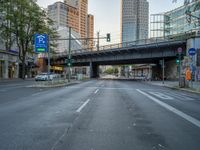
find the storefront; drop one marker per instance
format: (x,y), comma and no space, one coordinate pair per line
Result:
(1,69)
(57,69)
(12,70)
(9,67)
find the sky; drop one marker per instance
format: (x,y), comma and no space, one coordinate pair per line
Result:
(107,13)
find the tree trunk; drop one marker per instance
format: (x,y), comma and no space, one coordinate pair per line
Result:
(23,68)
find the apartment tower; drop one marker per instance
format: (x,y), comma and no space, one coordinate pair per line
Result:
(64,15)
(82,7)
(134,20)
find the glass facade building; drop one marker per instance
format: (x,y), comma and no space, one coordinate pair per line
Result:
(134,20)
(175,22)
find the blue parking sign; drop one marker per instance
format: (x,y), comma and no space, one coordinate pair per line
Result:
(41,43)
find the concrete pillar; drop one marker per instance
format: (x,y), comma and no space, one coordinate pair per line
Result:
(171,70)
(94,70)
(119,71)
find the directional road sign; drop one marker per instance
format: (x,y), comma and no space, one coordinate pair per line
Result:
(180,50)
(41,43)
(192,51)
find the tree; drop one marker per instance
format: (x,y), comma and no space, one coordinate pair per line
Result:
(6,35)
(197,7)
(26,18)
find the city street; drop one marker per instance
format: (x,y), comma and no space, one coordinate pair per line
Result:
(98,115)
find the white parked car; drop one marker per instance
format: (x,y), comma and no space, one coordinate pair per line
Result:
(44,77)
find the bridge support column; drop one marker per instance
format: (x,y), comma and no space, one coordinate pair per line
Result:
(94,70)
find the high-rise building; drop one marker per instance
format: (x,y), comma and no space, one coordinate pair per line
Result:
(58,13)
(82,6)
(83,14)
(90,30)
(64,15)
(134,20)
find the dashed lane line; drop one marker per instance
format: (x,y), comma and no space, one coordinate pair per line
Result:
(82,106)
(96,91)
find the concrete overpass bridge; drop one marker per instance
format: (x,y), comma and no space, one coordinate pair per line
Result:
(137,52)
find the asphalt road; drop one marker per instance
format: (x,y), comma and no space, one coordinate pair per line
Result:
(98,115)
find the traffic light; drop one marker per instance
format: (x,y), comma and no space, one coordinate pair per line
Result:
(108,37)
(177,61)
(69,62)
(179,57)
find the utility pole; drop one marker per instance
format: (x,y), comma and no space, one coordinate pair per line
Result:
(179,69)
(69,56)
(98,41)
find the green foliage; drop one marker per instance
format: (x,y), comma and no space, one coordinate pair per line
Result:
(5,25)
(112,70)
(21,20)
(197,7)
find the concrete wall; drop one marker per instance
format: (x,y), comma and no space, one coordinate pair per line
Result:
(171,71)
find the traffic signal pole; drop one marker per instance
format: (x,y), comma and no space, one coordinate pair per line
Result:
(179,69)
(97,41)
(69,56)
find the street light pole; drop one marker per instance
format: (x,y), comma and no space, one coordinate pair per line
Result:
(98,41)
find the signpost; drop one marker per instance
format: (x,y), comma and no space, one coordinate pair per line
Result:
(42,45)
(180,50)
(192,51)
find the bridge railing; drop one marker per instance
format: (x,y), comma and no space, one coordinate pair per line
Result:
(120,45)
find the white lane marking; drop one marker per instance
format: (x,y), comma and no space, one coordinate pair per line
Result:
(161,95)
(60,138)
(96,91)
(36,94)
(82,106)
(172,109)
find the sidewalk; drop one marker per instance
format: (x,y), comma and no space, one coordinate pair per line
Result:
(195,87)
